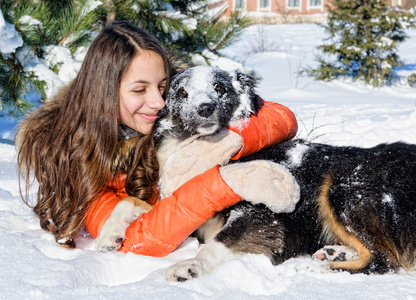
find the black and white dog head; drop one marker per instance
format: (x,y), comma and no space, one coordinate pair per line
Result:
(202,100)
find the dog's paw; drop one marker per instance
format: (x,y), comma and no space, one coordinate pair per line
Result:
(111,236)
(335,253)
(113,232)
(185,270)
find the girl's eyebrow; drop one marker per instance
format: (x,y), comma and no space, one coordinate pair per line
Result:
(147,82)
(140,81)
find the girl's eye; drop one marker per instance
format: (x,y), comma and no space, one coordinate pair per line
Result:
(139,91)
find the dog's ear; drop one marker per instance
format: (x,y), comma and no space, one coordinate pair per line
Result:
(244,79)
(158,129)
(245,86)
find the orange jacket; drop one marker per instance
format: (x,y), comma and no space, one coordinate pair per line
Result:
(173,219)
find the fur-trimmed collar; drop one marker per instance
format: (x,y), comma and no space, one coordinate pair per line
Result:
(127,141)
(126,133)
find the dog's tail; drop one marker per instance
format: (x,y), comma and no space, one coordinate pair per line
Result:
(336,230)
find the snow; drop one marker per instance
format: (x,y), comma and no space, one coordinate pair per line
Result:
(60,57)
(32,63)
(190,23)
(89,6)
(33,266)
(10,40)
(30,22)
(215,61)
(296,155)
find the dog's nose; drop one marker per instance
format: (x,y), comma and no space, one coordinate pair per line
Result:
(206,110)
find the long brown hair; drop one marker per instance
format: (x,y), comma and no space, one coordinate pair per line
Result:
(71,143)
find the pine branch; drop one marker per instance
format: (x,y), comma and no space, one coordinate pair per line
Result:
(225,38)
(68,34)
(208,47)
(41,33)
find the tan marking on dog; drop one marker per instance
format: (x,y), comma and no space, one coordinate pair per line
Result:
(210,229)
(138,203)
(406,260)
(331,224)
(393,256)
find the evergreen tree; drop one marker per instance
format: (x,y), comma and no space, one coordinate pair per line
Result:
(50,31)
(49,26)
(184,27)
(364,35)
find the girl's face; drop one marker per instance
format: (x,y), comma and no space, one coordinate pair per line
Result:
(141,90)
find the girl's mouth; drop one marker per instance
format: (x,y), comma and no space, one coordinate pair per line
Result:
(150,117)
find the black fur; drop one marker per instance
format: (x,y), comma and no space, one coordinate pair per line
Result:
(222,102)
(372,195)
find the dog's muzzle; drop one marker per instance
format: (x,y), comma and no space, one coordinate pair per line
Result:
(206,110)
(207,118)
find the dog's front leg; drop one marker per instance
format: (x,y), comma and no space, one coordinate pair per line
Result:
(212,254)
(113,232)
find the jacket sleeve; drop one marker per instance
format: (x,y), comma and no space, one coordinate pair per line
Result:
(165,227)
(103,206)
(273,124)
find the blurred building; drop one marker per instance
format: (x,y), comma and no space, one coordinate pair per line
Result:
(284,11)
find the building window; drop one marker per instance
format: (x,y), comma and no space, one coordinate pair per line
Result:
(293,3)
(239,4)
(264,3)
(315,3)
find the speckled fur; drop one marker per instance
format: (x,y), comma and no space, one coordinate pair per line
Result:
(361,198)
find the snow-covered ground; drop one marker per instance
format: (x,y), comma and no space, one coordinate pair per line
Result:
(32,266)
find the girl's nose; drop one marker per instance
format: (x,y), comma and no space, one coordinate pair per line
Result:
(156,100)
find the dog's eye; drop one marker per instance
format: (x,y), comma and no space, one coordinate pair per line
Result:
(182,92)
(219,89)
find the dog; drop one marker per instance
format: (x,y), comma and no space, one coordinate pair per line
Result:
(357,206)
(362,201)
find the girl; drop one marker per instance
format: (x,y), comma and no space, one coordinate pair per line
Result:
(91,145)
